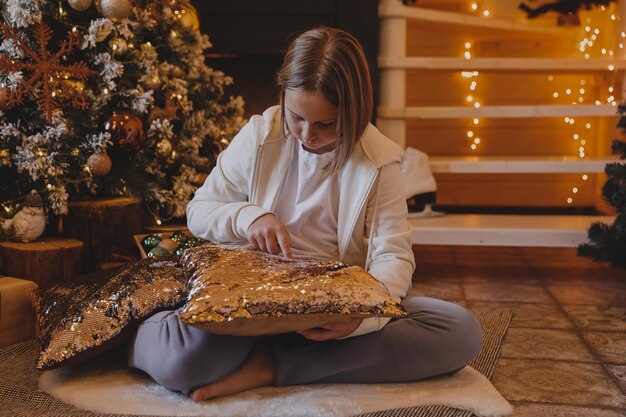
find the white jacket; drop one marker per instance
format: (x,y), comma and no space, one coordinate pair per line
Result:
(246,181)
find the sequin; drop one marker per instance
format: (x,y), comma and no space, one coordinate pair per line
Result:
(76,320)
(230,284)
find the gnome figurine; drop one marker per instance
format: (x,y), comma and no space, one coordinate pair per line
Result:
(29,223)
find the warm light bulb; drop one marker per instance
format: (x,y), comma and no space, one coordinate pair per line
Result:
(568,91)
(575,136)
(477,141)
(477,105)
(555,94)
(583,142)
(470,134)
(611,67)
(585,177)
(474,6)
(468,55)
(485,13)
(476,121)
(468,45)
(569,201)
(550,77)
(473,146)
(158,221)
(469,99)
(574,190)
(588,125)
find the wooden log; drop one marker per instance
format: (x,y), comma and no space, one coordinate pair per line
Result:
(107,227)
(44,261)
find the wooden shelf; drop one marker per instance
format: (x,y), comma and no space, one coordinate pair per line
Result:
(504,230)
(455,112)
(449,21)
(516,165)
(504,64)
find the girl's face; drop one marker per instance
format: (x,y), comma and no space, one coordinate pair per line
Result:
(312,119)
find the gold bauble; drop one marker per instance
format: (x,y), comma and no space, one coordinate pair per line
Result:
(114,9)
(199,178)
(151,83)
(164,147)
(188,16)
(5,158)
(99,164)
(79,5)
(118,45)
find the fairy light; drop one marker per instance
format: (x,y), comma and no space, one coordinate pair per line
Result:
(585,177)
(476,121)
(570,200)
(469,98)
(574,190)
(486,13)
(470,134)
(474,6)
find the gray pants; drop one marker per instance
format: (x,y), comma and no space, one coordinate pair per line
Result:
(436,338)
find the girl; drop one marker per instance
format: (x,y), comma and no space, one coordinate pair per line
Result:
(312,177)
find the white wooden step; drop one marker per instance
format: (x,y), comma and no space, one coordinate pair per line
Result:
(516,165)
(455,112)
(504,230)
(450,21)
(560,65)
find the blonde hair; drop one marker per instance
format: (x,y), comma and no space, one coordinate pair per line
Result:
(332,62)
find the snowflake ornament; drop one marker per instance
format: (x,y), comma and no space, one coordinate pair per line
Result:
(44,68)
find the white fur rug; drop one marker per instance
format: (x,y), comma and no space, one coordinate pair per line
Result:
(116,390)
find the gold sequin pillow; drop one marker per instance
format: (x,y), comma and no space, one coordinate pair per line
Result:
(242,292)
(82,319)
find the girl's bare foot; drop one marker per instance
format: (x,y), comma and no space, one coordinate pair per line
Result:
(257,371)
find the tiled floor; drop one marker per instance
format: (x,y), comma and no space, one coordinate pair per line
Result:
(565,351)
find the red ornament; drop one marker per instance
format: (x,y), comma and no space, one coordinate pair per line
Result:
(126,130)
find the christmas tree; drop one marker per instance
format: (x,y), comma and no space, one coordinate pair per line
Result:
(108,99)
(608,242)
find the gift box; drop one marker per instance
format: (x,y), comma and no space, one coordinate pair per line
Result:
(17,318)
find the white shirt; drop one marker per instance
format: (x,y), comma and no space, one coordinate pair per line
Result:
(308,204)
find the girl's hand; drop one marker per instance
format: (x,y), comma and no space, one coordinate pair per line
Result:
(270,235)
(331,330)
